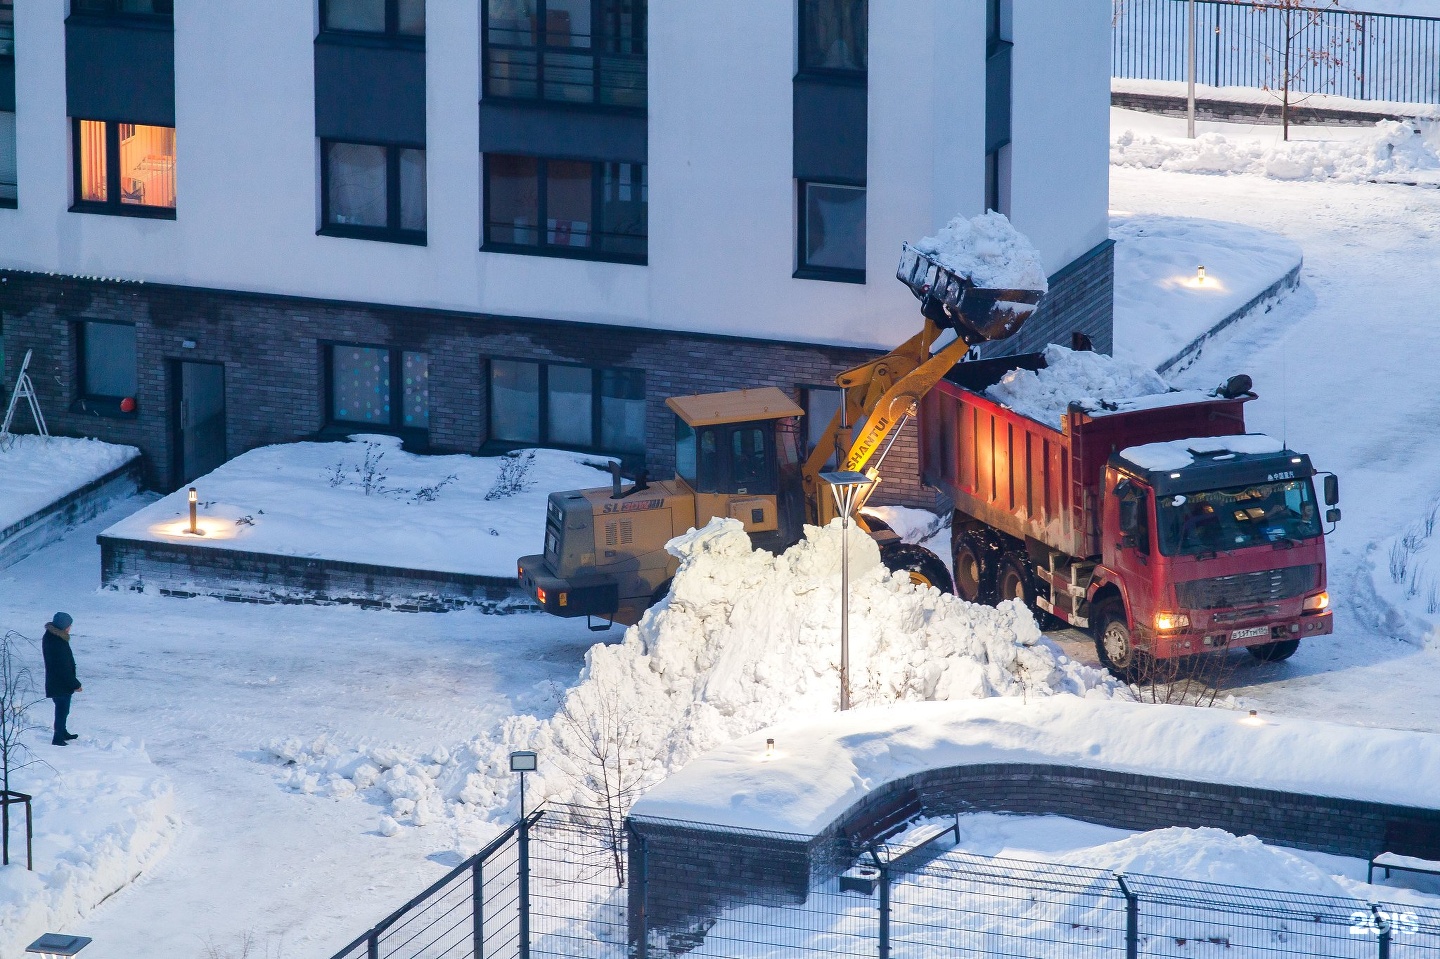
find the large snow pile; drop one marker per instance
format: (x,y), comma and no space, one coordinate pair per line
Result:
(1394,148)
(102,816)
(35,471)
(1093,380)
(744,640)
(369,501)
(1404,570)
(989,252)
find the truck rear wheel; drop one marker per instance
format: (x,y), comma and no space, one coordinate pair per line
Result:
(1013,582)
(1115,645)
(972,577)
(924,567)
(1274,652)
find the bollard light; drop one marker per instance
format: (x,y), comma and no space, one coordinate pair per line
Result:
(769,749)
(54,945)
(846,486)
(1200,276)
(194,500)
(1253,719)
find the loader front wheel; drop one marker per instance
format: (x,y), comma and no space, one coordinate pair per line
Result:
(923,566)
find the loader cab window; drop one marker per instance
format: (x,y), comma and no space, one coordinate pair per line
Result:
(735,458)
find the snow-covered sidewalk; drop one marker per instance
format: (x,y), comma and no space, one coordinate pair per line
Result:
(368,501)
(35,471)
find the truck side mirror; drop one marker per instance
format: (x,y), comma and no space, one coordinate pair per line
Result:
(1332,516)
(1129,516)
(1332,491)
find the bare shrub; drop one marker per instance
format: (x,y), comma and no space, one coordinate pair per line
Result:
(19,693)
(1188,680)
(1400,553)
(512,478)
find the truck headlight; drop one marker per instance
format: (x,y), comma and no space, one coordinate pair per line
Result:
(1168,621)
(1314,604)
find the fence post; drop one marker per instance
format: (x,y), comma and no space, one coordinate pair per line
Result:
(372,945)
(1132,919)
(884,908)
(1382,923)
(524,888)
(477,900)
(638,896)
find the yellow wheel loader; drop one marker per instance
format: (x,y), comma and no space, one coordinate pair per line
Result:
(738,454)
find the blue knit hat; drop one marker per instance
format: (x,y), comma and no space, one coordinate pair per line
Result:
(62,621)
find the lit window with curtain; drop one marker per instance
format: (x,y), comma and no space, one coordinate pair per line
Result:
(373,191)
(567,405)
(124,168)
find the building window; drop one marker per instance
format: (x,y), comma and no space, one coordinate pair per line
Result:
(7,28)
(834,35)
(126,168)
(575,208)
(8,188)
(832,232)
(401,18)
(127,8)
(107,366)
(566,51)
(379,387)
(568,406)
(821,404)
(373,192)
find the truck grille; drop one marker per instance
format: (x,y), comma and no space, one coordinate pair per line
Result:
(1246,589)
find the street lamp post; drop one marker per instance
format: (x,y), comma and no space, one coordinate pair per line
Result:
(522,761)
(845,486)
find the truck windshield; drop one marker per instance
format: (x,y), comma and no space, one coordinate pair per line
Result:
(1238,517)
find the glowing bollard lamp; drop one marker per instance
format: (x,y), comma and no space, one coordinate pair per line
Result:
(846,486)
(54,945)
(194,530)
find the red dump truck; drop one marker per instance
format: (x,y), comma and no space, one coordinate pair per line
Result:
(1160,526)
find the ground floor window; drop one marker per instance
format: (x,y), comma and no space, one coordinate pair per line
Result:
(126,168)
(576,208)
(8,191)
(108,366)
(373,191)
(567,405)
(821,404)
(378,387)
(832,232)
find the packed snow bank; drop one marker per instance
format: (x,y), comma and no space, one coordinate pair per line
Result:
(371,502)
(1097,383)
(827,766)
(744,640)
(103,815)
(1161,306)
(989,252)
(35,471)
(1404,570)
(1393,150)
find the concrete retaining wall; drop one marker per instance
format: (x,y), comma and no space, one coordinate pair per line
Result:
(44,527)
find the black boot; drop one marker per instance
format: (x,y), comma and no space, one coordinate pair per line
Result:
(72,735)
(59,742)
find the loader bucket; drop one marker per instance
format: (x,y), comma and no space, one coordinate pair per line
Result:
(952,302)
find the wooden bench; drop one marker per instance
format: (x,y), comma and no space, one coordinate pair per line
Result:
(1409,847)
(1391,862)
(876,827)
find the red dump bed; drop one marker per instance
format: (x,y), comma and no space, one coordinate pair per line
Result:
(1035,480)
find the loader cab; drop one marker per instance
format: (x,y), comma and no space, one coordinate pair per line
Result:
(739,454)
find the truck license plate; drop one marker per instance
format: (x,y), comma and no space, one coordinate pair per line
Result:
(1250,632)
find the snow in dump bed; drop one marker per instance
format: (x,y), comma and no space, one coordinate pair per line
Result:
(102,815)
(1178,454)
(1394,150)
(826,766)
(989,252)
(744,640)
(35,471)
(1099,384)
(369,501)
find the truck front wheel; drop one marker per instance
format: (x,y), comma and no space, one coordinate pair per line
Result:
(924,567)
(972,577)
(1274,652)
(1115,645)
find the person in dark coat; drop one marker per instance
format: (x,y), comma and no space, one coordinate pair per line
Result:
(60,680)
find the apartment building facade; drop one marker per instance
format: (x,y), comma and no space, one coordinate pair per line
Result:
(487,224)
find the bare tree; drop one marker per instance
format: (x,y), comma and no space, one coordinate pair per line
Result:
(1301,46)
(18,695)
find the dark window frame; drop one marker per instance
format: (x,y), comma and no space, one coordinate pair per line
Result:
(720,480)
(804,69)
(543,396)
(412,435)
(7,33)
(806,389)
(805,270)
(112,205)
(390,36)
(98,403)
(112,10)
(604,48)
(540,247)
(392,232)
(12,202)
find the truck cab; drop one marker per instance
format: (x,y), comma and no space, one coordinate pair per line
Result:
(1208,544)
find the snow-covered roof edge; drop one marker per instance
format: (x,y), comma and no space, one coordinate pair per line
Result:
(823,767)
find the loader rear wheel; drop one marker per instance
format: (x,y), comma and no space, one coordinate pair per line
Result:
(1274,652)
(972,577)
(924,567)
(1115,645)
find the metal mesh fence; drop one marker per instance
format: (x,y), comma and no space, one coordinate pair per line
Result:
(571,883)
(1365,56)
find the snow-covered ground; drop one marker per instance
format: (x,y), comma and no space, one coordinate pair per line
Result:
(35,471)
(1161,302)
(461,514)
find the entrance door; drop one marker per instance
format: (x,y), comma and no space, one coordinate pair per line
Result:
(199,419)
